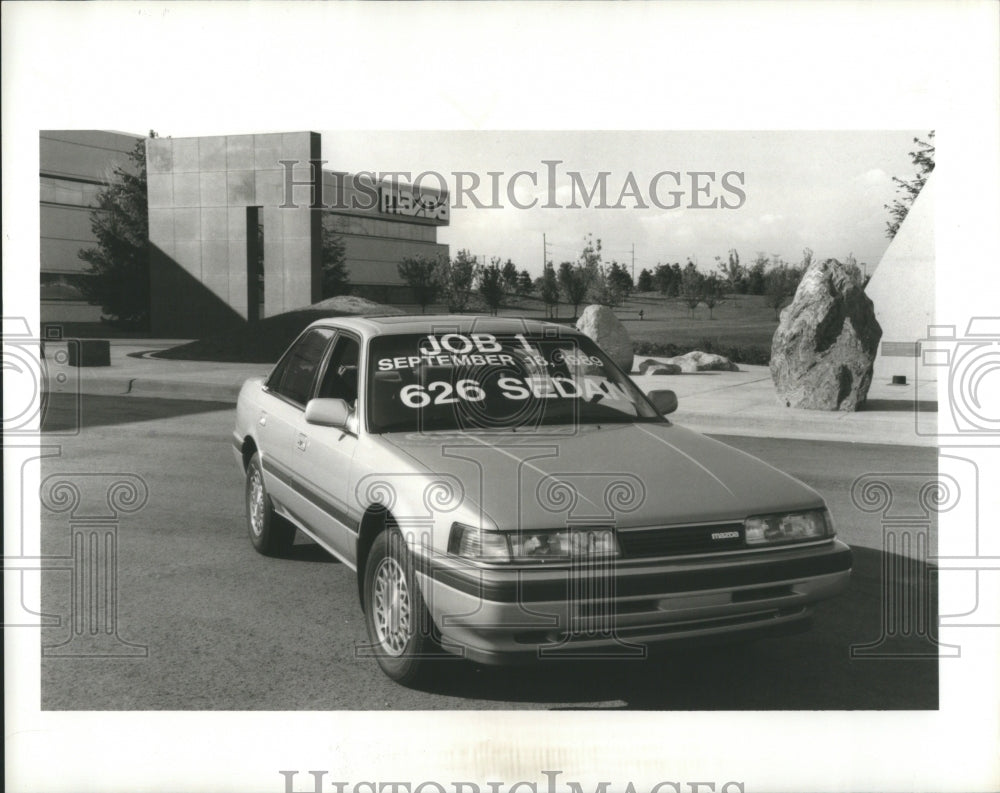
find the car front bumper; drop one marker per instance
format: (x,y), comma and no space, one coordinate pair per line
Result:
(506,616)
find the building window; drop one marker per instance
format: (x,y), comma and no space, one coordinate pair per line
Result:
(64,286)
(53,190)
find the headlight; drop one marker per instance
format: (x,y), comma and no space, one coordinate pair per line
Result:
(536,546)
(472,543)
(788,527)
(540,546)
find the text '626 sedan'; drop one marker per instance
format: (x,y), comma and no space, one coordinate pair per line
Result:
(504,492)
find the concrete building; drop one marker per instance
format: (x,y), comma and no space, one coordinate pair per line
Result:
(73,166)
(902,289)
(236,227)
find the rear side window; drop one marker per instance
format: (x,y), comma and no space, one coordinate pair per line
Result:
(293,377)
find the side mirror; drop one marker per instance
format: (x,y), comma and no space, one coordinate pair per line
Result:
(664,401)
(328,412)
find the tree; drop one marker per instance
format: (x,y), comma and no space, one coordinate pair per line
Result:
(646,283)
(620,279)
(509,274)
(590,257)
(525,286)
(712,290)
(420,274)
(731,270)
(491,285)
(548,289)
(908,189)
(692,291)
(574,281)
(456,278)
(780,283)
(119,265)
(755,275)
(335,280)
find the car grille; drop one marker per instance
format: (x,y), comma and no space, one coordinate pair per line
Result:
(679,540)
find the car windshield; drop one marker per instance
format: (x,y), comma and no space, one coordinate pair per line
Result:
(463,381)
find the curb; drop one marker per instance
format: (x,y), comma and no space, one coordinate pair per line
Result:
(818,427)
(163,389)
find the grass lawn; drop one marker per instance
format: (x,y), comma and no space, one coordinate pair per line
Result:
(741,327)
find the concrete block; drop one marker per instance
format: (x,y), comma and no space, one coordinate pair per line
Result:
(298,291)
(159,155)
(187,190)
(187,224)
(160,189)
(237,221)
(268,150)
(185,155)
(239,152)
(268,188)
(240,188)
(236,258)
(161,225)
(188,256)
(297,145)
(238,293)
(214,223)
(296,255)
(215,259)
(213,189)
(212,153)
(296,223)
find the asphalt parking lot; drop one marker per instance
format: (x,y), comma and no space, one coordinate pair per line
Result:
(223,628)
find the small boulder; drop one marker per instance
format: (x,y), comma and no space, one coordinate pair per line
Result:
(697,361)
(824,348)
(607,331)
(648,364)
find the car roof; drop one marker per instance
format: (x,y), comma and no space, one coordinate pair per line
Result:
(394,324)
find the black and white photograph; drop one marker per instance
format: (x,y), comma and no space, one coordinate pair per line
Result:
(607,402)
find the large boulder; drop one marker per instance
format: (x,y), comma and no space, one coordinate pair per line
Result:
(824,348)
(607,331)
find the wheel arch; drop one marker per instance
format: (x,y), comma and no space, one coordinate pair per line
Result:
(248,450)
(375,519)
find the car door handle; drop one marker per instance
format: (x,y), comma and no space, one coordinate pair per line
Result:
(301,442)
(263,419)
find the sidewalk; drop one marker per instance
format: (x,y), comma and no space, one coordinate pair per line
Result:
(724,403)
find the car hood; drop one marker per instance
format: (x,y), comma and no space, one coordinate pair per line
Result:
(624,475)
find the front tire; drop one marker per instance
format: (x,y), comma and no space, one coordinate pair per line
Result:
(399,625)
(270,534)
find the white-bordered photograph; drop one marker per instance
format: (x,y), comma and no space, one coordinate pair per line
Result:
(399,447)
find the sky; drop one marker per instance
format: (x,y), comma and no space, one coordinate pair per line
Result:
(786,190)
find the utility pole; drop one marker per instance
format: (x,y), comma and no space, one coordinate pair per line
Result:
(633,262)
(545,252)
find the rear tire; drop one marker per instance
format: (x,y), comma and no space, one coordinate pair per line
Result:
(399,625)
(270,533)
